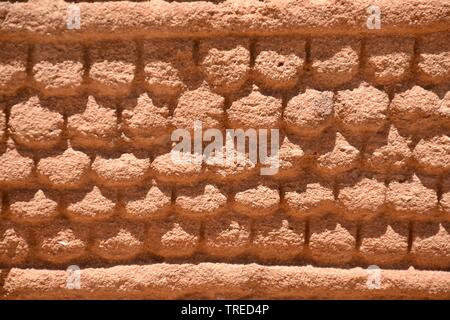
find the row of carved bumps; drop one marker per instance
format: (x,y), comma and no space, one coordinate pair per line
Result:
(328,239)
(94,122)
(332,154)
(226,64)
(356,196)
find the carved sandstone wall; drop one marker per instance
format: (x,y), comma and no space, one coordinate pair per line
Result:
(86,176)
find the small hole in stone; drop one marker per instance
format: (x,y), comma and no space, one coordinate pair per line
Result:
(280,64)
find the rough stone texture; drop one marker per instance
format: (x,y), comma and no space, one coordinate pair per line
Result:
(415,195)
(336,154)
(335,61)
(362,109)
(414,109)
(203,199)
(14,247)
(88,174)
(61,243)
(58,68)
(113,65)
(153,201)
(389,59)
(238,168)
(199,105)
(13,64)
(256,198)
(384,241)
(225,63)
(167,65)
(431,244)
(91,204)
(33,206)
(294,156)
(265,111)
(174,237)
(35,123)
(66,170)
(2,122)
(16,168)
(278,238)
(177,167)
(199,280)
(361,196)
(388,150)
(120,170)
(445,199)
(279,63)
(92,122)
(432,154)
(309,113)
(145,120)
(199,18)
(227,236)
(444,111)
(119,241)
(434,58)
(311,195)
(332,239)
